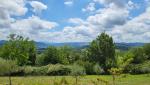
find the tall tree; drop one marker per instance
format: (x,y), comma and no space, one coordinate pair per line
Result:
(19,48)
(102,50)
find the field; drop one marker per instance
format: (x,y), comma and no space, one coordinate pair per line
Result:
(84,80)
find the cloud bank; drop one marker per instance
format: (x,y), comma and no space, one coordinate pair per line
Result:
(113,17)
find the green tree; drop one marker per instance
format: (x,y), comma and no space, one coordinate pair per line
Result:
(32,53)
(51,55)
(138,55)
(19,48)
(102,50)
(146,49)
(65,54)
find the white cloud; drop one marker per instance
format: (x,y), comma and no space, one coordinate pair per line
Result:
(109,17)
(68,2)
(33,24)
(76,21)
(118,3)
(88,29)
(113,19)
(135,30)
(13,7)
(90,7)
(131,5)
(10,8)
(31,27)
(38,6)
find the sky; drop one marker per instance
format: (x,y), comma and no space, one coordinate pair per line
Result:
(76,20)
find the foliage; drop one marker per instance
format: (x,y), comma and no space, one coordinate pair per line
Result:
(40,60)
(124,59)
(58,70)
(139,68)
(100,56)
(64,54)
(77,70)
(88,66)
(138,55)
(102,50)
(146,48)
(18,48)
(51,56)
(47,70)
(97,69)
(7,66)
(115,71)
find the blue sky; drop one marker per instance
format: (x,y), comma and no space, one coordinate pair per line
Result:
(76,20)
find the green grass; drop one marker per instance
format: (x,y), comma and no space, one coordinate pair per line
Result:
(84,80)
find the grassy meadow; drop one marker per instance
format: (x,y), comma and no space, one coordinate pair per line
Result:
(83,80)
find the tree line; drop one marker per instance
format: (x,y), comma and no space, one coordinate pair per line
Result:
(21,54)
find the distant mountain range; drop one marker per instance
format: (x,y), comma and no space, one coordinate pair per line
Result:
(72,44)
(42,45)
(121,46)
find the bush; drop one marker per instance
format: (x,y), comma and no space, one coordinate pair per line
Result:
(77,70)
(139,68)
(39,60)
(58,70)
(50,69)
(17,72)
(146,67)
(87,65)
(97,69)
(7,67)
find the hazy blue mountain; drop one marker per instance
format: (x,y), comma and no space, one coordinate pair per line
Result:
(72,44)
(126,46)
(2,42)
(42,45)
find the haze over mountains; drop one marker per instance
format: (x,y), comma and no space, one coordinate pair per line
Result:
(42,45)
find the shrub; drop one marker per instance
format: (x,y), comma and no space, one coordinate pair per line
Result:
(58,70)
(7,67)
(28,70)
(17,72)
(40,70)
(39,60)
(145,67)
(77,70)
(139,68)
(47,70)
(97,69)
(87,65)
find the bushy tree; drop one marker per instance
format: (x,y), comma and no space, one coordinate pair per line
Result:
(123,59)
(138,55)
(102,50)
(146,49)
(65,54)
(19,48)
(51,56)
